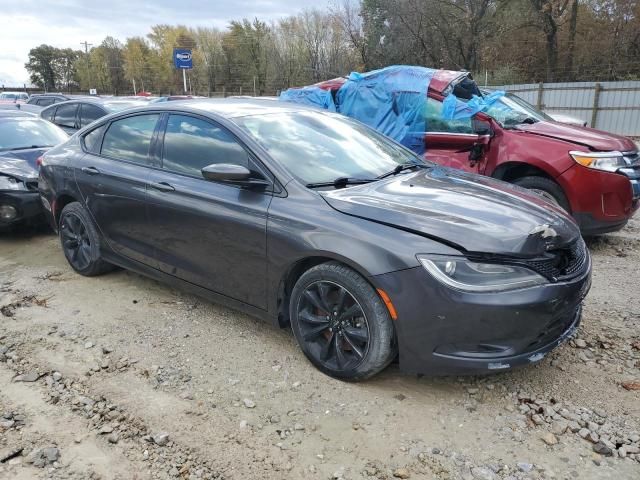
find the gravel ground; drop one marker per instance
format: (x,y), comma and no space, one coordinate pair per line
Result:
(121,377)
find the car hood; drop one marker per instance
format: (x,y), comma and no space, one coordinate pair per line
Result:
(21,164)
(470,212)
(589,137)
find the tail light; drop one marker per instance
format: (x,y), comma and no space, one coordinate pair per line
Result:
(39,161)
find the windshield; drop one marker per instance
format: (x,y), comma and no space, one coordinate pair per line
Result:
(8,96)
(320,147)
(16,133)
(510,110)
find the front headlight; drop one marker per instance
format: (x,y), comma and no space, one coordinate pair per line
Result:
(462,274)
(607,161)
(10,183)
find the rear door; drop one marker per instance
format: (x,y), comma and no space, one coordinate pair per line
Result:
(207,233)
(90,113)
(450,142)
(66,117)
(112,179)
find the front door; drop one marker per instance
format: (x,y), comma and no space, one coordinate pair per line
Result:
(450,142)
(207,233)
(112,179)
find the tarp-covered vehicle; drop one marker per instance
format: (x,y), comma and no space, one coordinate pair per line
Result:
(442,114)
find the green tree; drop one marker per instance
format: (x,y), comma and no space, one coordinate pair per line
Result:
(42,66)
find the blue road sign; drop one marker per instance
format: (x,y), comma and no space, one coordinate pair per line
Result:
(182,58)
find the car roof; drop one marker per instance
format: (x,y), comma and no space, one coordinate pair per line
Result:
(233,107)
(104,102)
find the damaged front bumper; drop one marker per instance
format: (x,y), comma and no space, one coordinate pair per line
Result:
(446,332)
(25,208)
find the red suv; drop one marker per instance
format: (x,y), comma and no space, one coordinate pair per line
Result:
(592,174)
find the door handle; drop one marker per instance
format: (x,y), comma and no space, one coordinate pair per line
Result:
(90,170)
(163,187)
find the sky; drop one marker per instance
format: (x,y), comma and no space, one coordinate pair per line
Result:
(65,23)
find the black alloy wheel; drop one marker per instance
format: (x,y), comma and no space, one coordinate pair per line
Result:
(81,241)
(75,241)
(333,325)
(340,322)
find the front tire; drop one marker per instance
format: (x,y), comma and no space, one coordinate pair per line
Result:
(340,322)
(546,188)
(81,242)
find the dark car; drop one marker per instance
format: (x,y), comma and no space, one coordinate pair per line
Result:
(310,219)
(23,138)
(46,99)
(592,174)
(75,114)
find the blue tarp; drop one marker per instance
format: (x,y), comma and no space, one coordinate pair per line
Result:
(309,96)
(392,100)
(454,109)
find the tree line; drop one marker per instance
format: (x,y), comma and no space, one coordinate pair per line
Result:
(500,41)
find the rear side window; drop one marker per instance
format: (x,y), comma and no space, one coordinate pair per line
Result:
(89,113)
(130,138)
(191,144)
(66,115)
(48,113)
(45,102)
(93,139)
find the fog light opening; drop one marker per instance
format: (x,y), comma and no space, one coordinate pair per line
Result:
(8,213)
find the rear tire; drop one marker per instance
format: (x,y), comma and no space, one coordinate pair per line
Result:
(340,322)
(80,241)
(546,188)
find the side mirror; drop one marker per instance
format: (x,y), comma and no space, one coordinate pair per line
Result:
(233,174)
(481,127)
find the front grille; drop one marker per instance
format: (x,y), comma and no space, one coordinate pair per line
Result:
(562,263)
(632,158)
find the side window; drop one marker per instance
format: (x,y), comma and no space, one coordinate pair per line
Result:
(44,102)
(130,138)
(48,113)
(191,144)
(435,122)
(93,139)
(89,113)
(66,115)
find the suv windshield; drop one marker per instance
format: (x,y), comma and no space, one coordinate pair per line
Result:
(321,147)
(22,133)
(510,110)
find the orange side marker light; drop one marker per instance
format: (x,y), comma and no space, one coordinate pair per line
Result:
(387,302)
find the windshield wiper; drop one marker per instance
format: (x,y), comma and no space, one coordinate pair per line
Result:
(341,182)
(402,167)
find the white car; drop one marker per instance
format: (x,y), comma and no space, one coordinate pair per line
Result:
(562,118)
(13,97)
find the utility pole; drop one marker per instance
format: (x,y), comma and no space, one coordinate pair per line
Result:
(86,54)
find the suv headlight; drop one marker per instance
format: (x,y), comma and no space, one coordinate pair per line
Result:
(462,274)
(607,161)
(10,183)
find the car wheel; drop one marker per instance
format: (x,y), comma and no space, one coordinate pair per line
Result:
(81,242)
(546,188)
(340,322)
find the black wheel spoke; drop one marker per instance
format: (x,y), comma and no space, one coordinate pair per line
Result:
(314,332)
(357,334)
(325,353)
(342,296)
(350,312)
(308,317)
(357,350)
(323,295)
(340,358)
(84,255)
(315,300)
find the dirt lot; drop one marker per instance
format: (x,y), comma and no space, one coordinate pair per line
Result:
(120,377)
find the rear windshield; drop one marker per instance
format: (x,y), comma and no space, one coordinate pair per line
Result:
(23,133)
